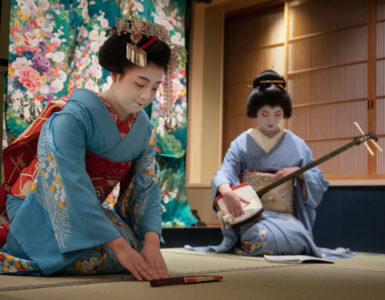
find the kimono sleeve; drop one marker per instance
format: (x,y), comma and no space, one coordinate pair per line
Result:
(230,169)
(76,215)
(315,181)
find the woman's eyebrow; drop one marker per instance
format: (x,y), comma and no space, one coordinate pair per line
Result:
(145,78)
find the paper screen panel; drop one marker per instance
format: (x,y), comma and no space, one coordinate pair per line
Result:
(350,162)
(381,39)
(380,116)
(335,48)
(328,121)
(381,157)
(380,80)
(343,83)
(325,15)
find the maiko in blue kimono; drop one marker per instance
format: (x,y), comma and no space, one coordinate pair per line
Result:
(269,149)
(63,211)
(58,223)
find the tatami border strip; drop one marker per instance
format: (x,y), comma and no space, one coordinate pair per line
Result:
(62,284)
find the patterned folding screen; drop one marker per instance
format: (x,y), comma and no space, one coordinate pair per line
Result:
(53,49)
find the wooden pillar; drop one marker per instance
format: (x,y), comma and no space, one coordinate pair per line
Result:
(371,80)
(287,54)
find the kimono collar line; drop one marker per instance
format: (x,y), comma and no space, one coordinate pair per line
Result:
(263,141)
(99,110)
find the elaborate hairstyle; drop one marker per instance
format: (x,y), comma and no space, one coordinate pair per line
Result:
(268,89)
(136,42)
(113,53)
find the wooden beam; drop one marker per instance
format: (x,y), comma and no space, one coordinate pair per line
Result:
(371,80)
(327,67)
(315,34)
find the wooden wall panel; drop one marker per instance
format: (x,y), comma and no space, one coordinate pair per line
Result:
(253,43)
(234,126)
(254,31)
(235,99)
(242,67)
(380,9)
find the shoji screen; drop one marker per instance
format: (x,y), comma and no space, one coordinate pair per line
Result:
(333,56)
(253,42)
(328,79)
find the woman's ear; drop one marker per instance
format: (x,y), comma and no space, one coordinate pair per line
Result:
(114,76)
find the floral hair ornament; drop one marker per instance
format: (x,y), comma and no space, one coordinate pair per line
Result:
(137,28)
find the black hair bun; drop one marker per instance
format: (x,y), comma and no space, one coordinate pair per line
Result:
(268,94)
(112,54)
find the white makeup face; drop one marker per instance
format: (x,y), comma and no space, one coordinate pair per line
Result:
(137,87)
(269,118)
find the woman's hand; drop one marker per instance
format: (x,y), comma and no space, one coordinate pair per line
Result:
(152,255)
(233,204)
(131,260)
(231,200)
(284,172)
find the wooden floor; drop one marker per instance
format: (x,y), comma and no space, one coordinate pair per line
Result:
(362,277)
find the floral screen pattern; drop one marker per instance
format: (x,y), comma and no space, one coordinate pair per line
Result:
(53,50)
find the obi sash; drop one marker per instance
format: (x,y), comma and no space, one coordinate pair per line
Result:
(21,153)
(279,199)
(105,174)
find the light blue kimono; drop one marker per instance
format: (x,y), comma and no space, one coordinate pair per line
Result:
(277,233)
(61,220)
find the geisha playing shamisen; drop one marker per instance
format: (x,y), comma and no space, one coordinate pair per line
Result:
(62,168)
(261,155)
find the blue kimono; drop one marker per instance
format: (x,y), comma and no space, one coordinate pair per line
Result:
(61,225)
(276,233)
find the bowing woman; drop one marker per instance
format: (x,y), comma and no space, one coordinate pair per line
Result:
(268,150)
(57,222)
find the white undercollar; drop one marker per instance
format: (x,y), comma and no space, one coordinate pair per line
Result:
(263,141)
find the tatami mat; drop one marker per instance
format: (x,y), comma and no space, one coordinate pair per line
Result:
(362,277)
